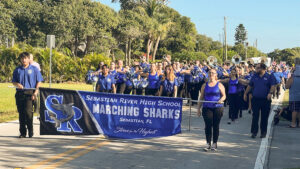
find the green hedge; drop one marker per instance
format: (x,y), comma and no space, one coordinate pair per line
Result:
(64,67)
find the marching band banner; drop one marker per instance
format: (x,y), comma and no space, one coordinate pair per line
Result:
(114,115)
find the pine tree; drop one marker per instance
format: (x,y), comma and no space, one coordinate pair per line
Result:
(240,34)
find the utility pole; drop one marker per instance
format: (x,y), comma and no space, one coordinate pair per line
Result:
(50,45)
(225,38)
(256,44)
(246,45)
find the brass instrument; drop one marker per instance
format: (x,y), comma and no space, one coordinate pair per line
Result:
(250,61)
(212,60)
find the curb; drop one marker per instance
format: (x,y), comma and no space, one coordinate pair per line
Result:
(265,142)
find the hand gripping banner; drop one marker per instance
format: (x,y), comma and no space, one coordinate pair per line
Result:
(114,115)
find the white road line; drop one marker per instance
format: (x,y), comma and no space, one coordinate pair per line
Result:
(261,155)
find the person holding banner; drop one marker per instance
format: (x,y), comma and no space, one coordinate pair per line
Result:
(27,79)
(213,94)
(106,82)
(168,87)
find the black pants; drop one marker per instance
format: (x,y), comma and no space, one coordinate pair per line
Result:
(277,90)
(128,89)
(167,94)
(194,90)
(25,108)
(181,90)
(120,87)
(138,91)
(212,118)
(151,92)
(262,107)
(233,100)
(105,91)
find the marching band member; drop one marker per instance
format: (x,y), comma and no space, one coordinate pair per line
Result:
(120,76)
(169,83)
(212,112)
(106,81)
(154,81)
(131,74)
(180,78)
(112,69)
(233,93)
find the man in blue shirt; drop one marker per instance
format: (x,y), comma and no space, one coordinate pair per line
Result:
(27,79)
(262,85)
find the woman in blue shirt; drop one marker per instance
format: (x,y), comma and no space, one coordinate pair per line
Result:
(154,81)
(213,92)
(106,82)
(233,83)
(168,86)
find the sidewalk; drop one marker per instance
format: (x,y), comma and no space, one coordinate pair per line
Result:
(284,150)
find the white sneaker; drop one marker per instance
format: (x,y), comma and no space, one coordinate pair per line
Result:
(214,147)
(207,148)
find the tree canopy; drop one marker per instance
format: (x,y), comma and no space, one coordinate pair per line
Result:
(141,27)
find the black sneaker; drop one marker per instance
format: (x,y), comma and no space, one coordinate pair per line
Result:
(253,135)
(263,135)
(249,111)
(21,136)
(276,120)
(30,134)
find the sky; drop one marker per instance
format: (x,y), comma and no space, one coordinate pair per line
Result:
(274,23)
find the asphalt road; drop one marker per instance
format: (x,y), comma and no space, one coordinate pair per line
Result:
(183,151)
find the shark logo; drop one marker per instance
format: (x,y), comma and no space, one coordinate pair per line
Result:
(64,116)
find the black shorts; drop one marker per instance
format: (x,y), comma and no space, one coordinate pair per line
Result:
(294,106)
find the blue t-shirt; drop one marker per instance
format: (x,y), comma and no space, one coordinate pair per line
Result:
(106,82)
(153,81)
(196,75)
(168,86)
(180,78)
(120,76)
(261,85)
(28,77)
(129,81)
(114,73)
(277,76)
(285,74)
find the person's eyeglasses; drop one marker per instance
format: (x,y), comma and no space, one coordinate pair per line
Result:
(212,73)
